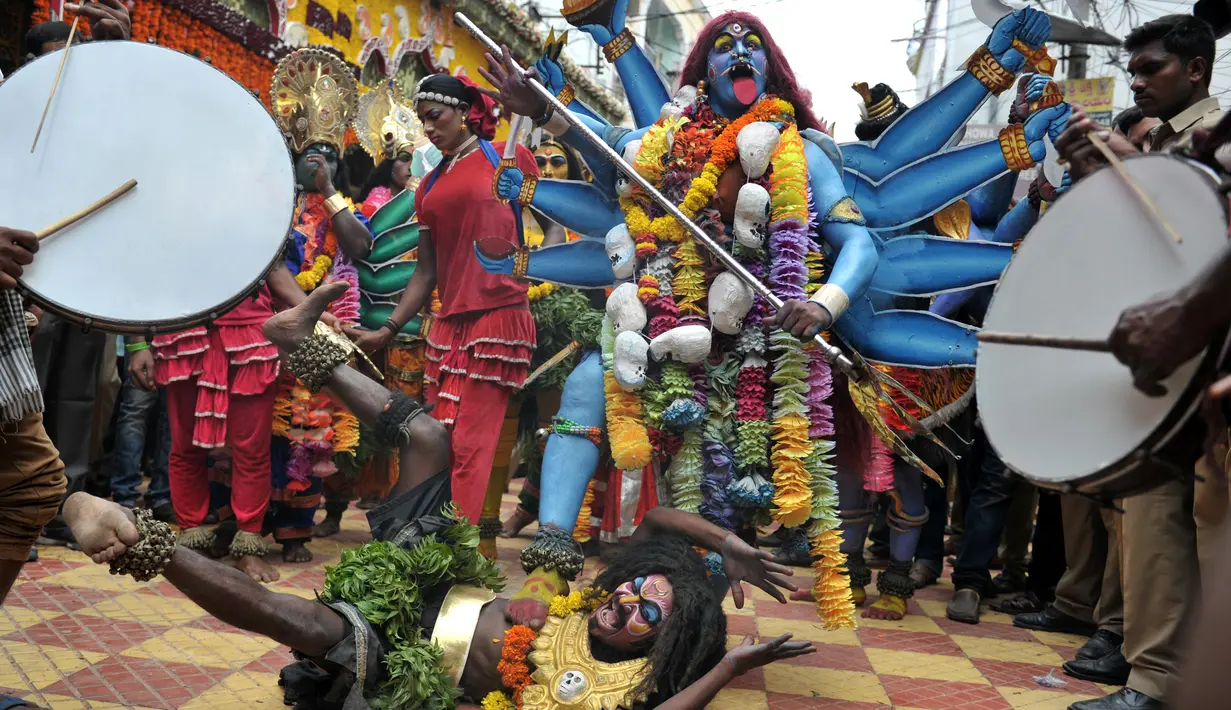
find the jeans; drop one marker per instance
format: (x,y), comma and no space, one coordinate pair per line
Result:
(131,423)
(992,488)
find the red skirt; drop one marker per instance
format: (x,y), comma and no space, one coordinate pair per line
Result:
(629,495)
(495,346)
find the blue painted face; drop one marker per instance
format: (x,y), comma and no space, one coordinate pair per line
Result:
(737,66)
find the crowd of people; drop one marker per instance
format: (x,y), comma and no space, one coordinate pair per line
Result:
(673,411)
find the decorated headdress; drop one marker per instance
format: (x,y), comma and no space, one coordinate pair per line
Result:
(313,95)
(880,108)
(386,125)
(455,91)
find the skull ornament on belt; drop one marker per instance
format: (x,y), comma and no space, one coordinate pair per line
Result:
(571,687)
(624,186)
(622,251)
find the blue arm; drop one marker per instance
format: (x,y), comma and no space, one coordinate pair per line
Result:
(856,260)
(1012,226)
(580,264)
(578,206)
(643,87)
(989,202)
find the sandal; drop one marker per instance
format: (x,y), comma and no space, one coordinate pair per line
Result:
(1026,603)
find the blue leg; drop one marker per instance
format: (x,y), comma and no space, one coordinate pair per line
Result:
(923,265)
(905,519)
(569,461)
(908,338)
(856,513)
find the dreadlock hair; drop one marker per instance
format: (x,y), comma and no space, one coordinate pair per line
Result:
(1185,36)
(693,640)
(781,81)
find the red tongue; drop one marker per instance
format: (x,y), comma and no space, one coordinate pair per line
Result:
(745,90)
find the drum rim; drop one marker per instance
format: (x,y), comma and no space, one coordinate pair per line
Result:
(127,327)
(1189,398)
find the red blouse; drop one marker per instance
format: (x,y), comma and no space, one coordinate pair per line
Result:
(459,210)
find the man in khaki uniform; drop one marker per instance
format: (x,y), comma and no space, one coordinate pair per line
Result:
(1171,60)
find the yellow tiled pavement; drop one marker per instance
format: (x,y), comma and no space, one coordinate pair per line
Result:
(72,636)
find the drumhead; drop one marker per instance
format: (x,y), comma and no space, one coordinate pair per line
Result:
(1064,418)
(215,188)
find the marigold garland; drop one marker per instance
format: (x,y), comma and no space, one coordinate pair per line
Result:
(538,292)
(581,531)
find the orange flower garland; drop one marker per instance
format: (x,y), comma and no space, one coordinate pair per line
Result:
(514,670)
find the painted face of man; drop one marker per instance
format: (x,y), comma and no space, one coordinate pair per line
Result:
(634,613)
(305,170)
(737,66)
(552,162)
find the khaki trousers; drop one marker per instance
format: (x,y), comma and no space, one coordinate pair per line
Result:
(32,485)
(1211,502)
(1159,567)
(1090,588)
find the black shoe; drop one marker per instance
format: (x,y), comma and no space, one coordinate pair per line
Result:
(1100,644)
(1111,669)
(1125,699)
(1052,619)
(164,513)
(1007,583)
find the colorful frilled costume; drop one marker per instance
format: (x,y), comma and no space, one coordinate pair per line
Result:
(313,96)
(387,129)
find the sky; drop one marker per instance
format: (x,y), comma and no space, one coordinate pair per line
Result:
(832,44)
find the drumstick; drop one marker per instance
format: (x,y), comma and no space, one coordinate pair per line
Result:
(1141,194)
(82,214)
(555,360)
(56,82)
(1045,341)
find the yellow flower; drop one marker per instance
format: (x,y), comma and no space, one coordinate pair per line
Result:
(497,700)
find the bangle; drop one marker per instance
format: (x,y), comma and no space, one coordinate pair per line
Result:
(521,263)
(136,347)
(833,299)
(425,326)
(393,326)
(557,125)
(984,67)
(1037,58)
(1015,148)
(567,95)
(619,45)
(334,204)
(547,115)
(528,185)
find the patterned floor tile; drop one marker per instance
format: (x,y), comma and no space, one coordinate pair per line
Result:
(84,633)
(134,681)
(146,609)
(205,648)
(32,667)
(923,665)
(16,618)
(1002,650)
(824,683)
(940,694)
(240,691)
(740,700)
(1022,699)
(806,631)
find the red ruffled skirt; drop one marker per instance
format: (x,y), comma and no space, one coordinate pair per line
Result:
(226,360)
(489,345)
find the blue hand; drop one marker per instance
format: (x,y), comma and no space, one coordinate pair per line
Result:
(1035,87)
(1031,26)
(494,266)
(1049,121)
(508,185)
(1065,184)
(550,73)
(602,35)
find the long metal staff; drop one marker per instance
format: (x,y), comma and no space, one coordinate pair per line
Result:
(832,354)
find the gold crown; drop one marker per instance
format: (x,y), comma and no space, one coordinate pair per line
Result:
(385,124)
(313,95)
(872,112)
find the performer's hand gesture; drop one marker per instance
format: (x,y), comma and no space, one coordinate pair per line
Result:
(320,175)
(108,19)
(512,86)
(742,562)
(749,655)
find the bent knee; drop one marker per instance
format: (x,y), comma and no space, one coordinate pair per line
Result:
(27,504)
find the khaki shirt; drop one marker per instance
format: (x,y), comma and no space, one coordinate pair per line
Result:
(1177,133)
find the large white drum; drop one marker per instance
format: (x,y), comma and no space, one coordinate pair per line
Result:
(215,188)
(1072,420)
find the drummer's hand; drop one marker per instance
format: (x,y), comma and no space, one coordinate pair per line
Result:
(803,319)
(1074,144)
(109,19)
(332,321)
(1155,338)
(512,86)
(17,248)
(141,369)
(371,341)
(324,183)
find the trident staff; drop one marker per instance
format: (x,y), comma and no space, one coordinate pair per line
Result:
(832,354)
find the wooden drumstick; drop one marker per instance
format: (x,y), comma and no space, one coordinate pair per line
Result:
(83,213)
(1128,179)
(1045,341)
(72,32)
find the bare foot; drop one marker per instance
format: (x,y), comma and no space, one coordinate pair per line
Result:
(295,552)
(516,522)
(529,606)
(289,328)
(103,529)
(330,526)
(257,568)
(888,608)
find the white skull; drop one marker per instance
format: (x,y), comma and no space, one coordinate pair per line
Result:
(629,359)
(729,301)
(624,186)
(624,309)
(684,98)
(622,251)
(688,344)
(756,143)
(572,686)
(751,215)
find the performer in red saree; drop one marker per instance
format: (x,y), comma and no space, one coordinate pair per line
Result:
(479,349)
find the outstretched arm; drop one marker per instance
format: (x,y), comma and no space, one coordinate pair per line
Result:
(642,85)
(577,205)
(857,258)
(737,662)
(579,264)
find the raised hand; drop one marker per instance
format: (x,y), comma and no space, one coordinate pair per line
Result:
(1074,144)
(508,185)
(749,655)
(742,562)
(1048,121)
(602,34)
(1031,26)
(550,73)
(512,85)
(109,19)
(320,174)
